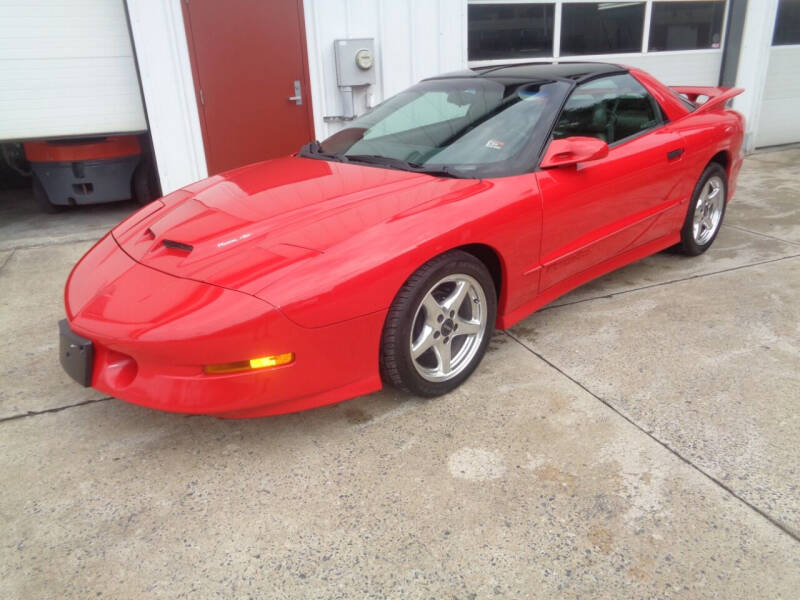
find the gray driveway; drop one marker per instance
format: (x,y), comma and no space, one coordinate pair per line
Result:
(635,439)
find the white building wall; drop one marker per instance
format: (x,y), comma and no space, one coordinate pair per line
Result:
(414,39)
(166,73)
(690,67)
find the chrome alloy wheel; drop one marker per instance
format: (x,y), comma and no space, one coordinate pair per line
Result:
(708,211)
(448,327)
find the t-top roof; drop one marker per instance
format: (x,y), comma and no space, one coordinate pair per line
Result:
(577,71)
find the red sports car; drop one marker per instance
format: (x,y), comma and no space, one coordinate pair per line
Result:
(390,251)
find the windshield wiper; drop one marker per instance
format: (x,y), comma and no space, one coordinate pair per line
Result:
(405,165)
(375,159)
(314,150)
(443,171)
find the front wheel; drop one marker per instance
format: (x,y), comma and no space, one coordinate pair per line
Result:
(706,211)
(439,325)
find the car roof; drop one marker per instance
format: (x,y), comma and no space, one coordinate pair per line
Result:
(538,71)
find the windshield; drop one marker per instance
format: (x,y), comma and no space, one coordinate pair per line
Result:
(463,127)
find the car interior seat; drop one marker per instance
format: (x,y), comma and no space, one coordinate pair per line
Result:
(590,120)
(632,115)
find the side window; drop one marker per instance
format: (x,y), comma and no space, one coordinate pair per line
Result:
(610,108)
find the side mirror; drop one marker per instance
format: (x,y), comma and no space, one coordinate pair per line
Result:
(573,150)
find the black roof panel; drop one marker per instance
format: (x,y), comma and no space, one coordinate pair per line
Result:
(576,71)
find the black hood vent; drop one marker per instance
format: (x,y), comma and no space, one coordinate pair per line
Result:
(177,245)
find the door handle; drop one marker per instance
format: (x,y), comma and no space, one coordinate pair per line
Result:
(298,94)
(674,154)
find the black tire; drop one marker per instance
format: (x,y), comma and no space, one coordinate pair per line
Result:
(145,183)
(41,199)
(689,245)
(396,363)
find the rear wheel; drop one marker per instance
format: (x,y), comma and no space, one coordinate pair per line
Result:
(145,182)
(706,211)
(439,325)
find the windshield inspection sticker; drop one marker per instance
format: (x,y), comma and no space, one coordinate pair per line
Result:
(494,144)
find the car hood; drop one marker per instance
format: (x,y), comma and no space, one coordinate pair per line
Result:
(235,229)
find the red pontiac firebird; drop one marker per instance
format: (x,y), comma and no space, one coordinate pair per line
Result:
(389,252)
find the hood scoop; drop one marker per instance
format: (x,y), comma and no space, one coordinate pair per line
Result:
(177,245)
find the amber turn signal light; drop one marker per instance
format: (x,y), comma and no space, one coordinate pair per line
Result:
(263,362)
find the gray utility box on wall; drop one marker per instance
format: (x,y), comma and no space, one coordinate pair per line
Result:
(355,62)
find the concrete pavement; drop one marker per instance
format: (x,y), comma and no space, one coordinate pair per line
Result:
(636,439)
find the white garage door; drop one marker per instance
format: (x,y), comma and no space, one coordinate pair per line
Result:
(779,120)
(67,69)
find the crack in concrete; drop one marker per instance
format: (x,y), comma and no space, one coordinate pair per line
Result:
(670,282)
(766,235)
(761,155)
(784,528)
(8,258)
(33,413)
(31,245)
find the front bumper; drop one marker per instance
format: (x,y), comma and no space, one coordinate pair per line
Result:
(152,333)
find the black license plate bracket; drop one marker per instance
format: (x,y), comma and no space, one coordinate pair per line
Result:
(76,354)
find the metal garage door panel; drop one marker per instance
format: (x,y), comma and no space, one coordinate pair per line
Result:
(779,120)
(67,69)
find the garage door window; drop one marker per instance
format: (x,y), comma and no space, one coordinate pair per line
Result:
(604,28)
(503,30)
(787,23)
(686,25)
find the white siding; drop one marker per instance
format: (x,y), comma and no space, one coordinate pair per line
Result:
(694,67)
(66,69)
(414,39)
(691,67)
(779,121)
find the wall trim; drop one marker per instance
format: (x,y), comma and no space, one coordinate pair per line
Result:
(159,40)
(751,73)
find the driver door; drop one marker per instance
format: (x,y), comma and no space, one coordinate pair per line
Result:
(597,210)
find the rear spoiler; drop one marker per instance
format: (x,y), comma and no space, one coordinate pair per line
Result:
(717,96)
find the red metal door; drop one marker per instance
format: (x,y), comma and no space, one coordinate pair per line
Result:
(246,57)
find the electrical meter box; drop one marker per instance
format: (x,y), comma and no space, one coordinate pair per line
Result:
(355,62)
